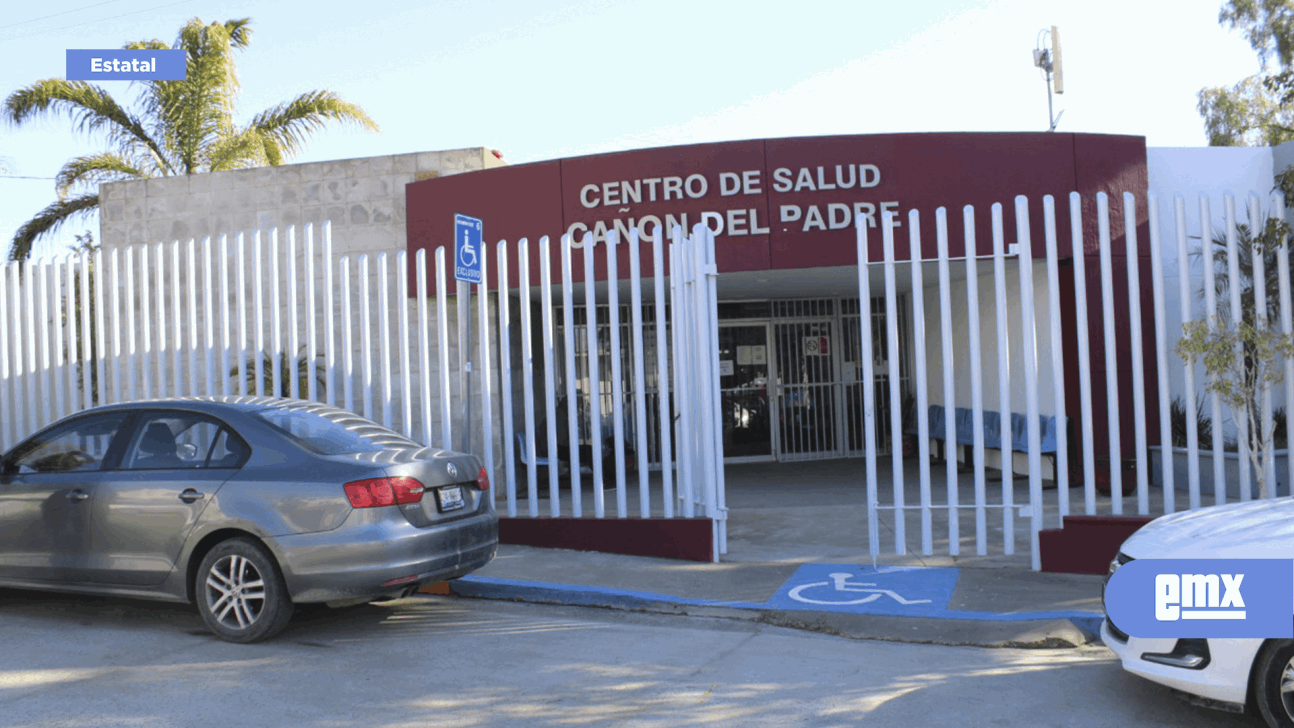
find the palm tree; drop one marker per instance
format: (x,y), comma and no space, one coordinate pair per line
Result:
(177,127)
(302,365)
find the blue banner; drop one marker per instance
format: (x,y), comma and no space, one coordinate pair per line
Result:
(126,65)
(1182,598)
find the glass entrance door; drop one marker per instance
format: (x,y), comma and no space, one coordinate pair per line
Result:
(743,386)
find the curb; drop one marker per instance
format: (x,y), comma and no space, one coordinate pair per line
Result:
(1087,624)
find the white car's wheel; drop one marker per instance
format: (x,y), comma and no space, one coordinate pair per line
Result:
(1274,683)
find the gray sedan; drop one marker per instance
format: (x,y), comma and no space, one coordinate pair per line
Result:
(244,505)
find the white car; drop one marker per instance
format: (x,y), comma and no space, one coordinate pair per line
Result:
(1227,674)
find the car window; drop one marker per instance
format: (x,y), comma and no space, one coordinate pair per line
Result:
(320,434)
(228,451)
(77,446)
(172,440)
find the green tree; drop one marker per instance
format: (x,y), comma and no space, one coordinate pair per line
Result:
(175,127)
(1244,115)
(1241,359)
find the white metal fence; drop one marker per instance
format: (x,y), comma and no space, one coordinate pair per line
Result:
(244,314)
(229,317)
(1011,342)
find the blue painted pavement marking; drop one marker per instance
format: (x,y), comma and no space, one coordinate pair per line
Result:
(902,591)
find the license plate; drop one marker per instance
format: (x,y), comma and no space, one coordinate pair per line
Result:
(450,499)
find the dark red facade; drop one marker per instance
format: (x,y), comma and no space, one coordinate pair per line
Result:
(791,203)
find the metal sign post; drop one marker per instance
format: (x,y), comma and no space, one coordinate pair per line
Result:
(467,268)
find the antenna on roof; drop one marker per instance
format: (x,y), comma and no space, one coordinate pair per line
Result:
(1048,59)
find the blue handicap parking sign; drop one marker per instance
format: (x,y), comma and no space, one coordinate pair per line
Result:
(467,249)
(894,590)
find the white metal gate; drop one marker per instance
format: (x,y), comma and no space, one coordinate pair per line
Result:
(989,354)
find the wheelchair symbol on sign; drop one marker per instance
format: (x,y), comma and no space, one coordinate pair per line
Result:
(842,584)
(467,254)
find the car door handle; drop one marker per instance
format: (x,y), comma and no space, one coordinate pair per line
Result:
(190,495)
(78,495)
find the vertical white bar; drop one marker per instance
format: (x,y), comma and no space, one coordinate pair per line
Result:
(192,274)
(550,380)
(101,332)
(8,431)
(347,339)
(1136,344)
(867,355)
(896,422)
(1078,249)
(23,405)
(384,320)
(29,292)
(617,375)
(293,372)
(1211,311)
(640,377)
(442,327)
(1057,358)
(424,348)
(56,326)
(505,370)
(920,370)
(312,338)
(115,292)
(224,315)
(402,321)
(487,402)
(1184,305)
(528,377)
(714,460)
(1162,353)
(144,315)
(595,386)
(88,351)
(330,342)
(682,374)
(276,319)
(208,318)
(941,234)
(1004,382)
(1236,314)
(130,323)
(159,259)
(1030,344)
(73,356)
(662,375)
(971,250)
(177,336)
(572,393)
(1259,278)
(1113,404)
(241,265)
(365,337)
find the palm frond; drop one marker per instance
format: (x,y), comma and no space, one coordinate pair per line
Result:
(94,169)
(89,107)
(290,124)
(48,221)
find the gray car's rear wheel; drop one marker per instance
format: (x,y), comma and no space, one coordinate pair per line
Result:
(1274,683)
(240,592)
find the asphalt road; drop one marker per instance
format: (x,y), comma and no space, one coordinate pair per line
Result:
(444,661)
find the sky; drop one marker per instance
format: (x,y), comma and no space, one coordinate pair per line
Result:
(540,79)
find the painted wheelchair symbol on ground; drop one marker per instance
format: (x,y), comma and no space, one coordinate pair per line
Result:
(843,587)
(863,590)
